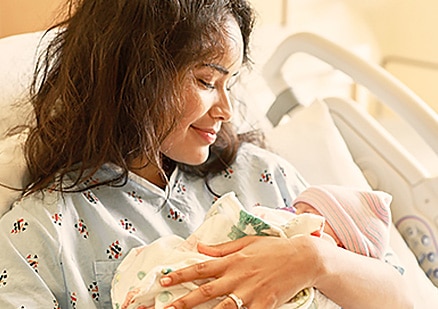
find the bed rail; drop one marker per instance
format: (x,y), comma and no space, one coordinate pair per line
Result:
(389,90)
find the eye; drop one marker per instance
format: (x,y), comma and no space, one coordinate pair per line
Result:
(206,84)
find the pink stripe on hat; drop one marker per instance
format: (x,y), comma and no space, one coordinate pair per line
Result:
(360,219)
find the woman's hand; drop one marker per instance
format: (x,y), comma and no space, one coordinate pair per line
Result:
(264,272)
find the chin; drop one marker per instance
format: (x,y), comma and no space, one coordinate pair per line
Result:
(194,158)
(198,161)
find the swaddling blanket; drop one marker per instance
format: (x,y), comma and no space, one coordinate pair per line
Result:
(136,281)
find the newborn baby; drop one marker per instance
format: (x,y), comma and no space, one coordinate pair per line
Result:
(356,220)
(136,282)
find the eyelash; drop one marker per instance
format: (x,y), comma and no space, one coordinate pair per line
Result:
(207,85)
(211,86)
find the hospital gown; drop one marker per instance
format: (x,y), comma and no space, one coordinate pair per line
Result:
(61,251)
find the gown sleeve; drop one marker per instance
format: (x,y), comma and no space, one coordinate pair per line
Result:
(30,272)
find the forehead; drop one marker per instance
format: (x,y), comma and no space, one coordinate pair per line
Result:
(227,55)
(233,43)
(225,50)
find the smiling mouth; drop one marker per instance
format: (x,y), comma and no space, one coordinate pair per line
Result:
(208,135)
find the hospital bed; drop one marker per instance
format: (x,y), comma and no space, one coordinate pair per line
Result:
(333,140)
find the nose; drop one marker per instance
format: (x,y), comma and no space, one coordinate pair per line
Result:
(222,109)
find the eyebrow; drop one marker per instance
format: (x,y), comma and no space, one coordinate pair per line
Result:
(218,68)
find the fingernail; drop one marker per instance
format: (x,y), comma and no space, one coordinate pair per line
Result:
(165,281)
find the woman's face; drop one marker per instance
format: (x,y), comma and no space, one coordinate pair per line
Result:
(206,103)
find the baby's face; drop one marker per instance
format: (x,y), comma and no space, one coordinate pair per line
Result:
(302,208)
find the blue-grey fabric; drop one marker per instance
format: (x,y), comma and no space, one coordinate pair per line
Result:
(61,251)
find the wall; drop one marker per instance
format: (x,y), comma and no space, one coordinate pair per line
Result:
(407,35)
(402,36)
(398,28)
(309,77)
(19,16)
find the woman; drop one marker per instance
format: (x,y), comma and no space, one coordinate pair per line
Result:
(133,141)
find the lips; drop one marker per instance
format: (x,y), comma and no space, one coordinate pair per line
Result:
(209,135)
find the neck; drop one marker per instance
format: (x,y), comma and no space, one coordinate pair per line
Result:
(152,173)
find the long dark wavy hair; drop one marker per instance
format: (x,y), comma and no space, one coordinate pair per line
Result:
(108,87)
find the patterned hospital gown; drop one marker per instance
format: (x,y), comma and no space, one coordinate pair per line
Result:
(61,252)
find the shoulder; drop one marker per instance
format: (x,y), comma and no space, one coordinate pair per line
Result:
(37,203)
(259,177)
(30,230)
(254,153)
(36,210)
(254,157)
(45,212)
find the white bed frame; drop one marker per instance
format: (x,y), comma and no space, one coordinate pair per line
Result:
(386,164)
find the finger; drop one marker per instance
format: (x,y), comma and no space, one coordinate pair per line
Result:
(229,303)
(203,270)
(239,302)
(234,301)
(225,248)
(205,292)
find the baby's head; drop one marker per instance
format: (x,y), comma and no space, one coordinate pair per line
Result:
(357,220)
(304,208)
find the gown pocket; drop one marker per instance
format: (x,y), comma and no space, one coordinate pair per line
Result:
(104,272)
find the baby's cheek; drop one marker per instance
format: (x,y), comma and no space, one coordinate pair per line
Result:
(328,230)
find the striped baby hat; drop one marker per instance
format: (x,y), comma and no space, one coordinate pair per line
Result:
(359,218)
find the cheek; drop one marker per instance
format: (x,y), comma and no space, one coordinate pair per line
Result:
(195,106)
(196,102)
(192,109)
(329,230)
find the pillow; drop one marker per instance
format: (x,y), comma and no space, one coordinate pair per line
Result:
(13,169)
(19,53)
(309,139)
(315,144)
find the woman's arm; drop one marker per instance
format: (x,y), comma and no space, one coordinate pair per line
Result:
(266,272)
(356,281)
